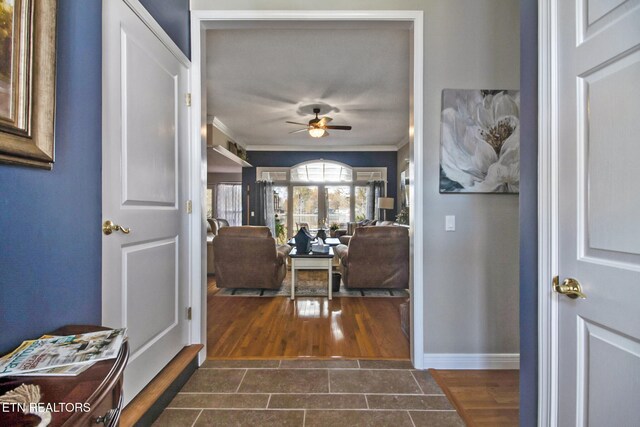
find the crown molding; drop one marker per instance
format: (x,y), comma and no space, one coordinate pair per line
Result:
(224,129)
(321,148)
(404,141)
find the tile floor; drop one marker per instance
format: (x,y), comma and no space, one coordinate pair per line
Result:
(309,393)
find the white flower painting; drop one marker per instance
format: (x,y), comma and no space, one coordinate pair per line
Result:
(480,141)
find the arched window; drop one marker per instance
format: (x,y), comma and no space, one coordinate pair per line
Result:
(321,193)
(321,171)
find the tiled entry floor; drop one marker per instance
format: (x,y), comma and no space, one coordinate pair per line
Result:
(309,393)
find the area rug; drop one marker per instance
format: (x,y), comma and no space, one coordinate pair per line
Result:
(311,283)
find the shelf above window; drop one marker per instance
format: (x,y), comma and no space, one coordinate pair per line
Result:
(226,157)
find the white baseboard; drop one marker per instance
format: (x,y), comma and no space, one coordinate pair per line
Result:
(472,360)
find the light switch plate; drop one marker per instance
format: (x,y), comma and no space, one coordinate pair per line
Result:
(450,223)
(253,213)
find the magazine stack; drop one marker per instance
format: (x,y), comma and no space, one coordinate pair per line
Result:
(62,355)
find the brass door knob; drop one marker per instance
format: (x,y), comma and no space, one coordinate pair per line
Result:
(569,287)
(109,227)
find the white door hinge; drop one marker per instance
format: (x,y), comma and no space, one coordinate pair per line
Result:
(188,206)
(187,99)
(188,313)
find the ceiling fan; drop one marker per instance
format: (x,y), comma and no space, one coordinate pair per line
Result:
(317,127)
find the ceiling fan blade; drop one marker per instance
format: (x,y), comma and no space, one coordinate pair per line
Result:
(323,121)
(299,130)
(325,134)
(296,123)
(338,127)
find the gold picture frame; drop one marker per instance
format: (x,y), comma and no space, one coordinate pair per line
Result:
(27,82)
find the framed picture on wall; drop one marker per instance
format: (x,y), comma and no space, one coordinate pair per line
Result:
(480,141)
(27,82)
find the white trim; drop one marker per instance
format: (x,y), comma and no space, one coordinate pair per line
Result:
(472,361)
(216,123)
(199,19)
(156,29)
(306,15)
(321,148)
(547,213)
(416,175)
(198,180)
(404,141)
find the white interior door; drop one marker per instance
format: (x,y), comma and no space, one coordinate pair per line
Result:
(599,211)
(144,187)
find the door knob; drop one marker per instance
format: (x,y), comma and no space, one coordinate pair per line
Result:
(109,227)
(569,287)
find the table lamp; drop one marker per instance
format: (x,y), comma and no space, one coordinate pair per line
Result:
(385,203)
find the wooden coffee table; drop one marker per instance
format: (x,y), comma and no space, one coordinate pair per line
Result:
(310,261)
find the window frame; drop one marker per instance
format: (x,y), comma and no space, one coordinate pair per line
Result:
(215,196)
(260,170)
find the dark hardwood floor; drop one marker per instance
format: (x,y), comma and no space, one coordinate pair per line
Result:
(262,327)
(350,328)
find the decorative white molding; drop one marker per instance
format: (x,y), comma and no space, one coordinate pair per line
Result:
(203,19)
(224,129)
(472,360)
(547,213)
(321,148)
(404,141)
(201,16)
(416,193)
(156,29)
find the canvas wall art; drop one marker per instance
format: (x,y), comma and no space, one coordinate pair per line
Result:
(480,141)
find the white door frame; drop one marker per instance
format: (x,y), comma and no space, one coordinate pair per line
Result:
(547,213)
(198,149)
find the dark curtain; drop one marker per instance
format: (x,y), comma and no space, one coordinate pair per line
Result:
(376,189)
(265,213)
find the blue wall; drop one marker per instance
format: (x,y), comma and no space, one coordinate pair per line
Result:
(386,159)
(50,220)
(528,213)
(50,240)
(172,16)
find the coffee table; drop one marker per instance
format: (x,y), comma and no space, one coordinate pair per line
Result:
(310,261)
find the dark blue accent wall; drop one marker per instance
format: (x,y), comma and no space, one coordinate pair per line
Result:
(50,220)
(50,240)
(528,213)
(172,16)
(386,159)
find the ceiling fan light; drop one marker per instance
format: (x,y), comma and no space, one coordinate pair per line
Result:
(316,132)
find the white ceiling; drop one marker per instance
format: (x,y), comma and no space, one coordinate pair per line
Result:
(259,78)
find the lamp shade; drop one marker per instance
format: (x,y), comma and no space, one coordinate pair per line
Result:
(385,202)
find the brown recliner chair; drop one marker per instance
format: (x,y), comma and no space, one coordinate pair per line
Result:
(210,236)
(377,257)
(351,228)
(213,226)
(247,257)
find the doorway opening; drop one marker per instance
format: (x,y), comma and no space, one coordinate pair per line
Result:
(320,207)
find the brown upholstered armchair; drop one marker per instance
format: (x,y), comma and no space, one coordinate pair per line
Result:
(247,257)
(351,228)
(210,236)
(213,226)
(377,257)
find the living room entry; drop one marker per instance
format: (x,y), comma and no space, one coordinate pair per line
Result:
(343,180)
